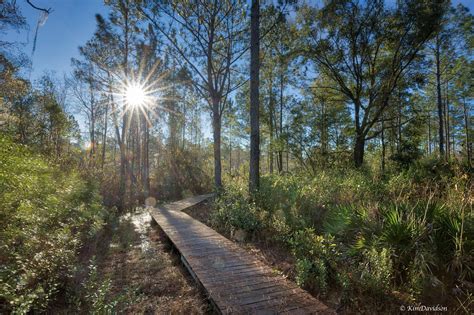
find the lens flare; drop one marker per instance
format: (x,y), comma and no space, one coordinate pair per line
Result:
(140,94)
(135,95)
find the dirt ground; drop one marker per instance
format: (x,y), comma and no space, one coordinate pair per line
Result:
(142,260)
(131,268)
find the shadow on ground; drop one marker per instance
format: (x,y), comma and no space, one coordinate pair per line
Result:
(130,267)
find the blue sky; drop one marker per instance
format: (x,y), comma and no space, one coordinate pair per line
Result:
(70,25)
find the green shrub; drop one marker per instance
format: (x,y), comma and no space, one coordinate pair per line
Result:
(312,274)
(278,227)
(407,230)
(317,259)
(97,291)
(376,270)
(338,220)
(346,222)
(431,169)
(45,215)
(234,211)
(406,155)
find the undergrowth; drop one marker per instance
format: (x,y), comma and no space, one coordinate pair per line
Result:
(407,235)
(46,216)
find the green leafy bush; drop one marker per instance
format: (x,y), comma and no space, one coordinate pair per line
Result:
(375,270)
(45,216)
(312,274)
(317,259)
(234,211)
(96,291)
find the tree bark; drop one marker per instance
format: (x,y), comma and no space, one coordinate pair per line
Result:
(93,114)
(439,99)
(446,119)
(324,133)
(359,148)
(399,122)
(359,144)
(216,126)
(92,137)
(429,133)
(287,152)
(254,175)
(280,152)
(382,139)
(230,149)
(104,137)
(120,139)
(146,160)
(466,130)
(271,110)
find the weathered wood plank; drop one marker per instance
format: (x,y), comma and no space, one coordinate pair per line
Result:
(235,281)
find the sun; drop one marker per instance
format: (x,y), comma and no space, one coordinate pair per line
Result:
(135,95)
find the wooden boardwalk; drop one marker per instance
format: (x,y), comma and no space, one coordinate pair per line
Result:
(235,281)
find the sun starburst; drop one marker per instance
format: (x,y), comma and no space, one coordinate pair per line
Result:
(135,95)
(140,94)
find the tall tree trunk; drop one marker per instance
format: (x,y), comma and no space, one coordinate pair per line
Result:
(399,122)
(287,152)
(280,152)
(92,126)
(120,141)
(466,130)
(183,127)
(446,119)
(382,139)
(216,126)
(453,141)
(230,149)
(359,143)
(392,136)
(104,137)
(324,132)
(123,171)
(92,137)
(114,154)
(429,133)
(124,168)
(238,158)
(254,175)
(133,160)
(271,120)
(440,101)
(359,148)
(146,159)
